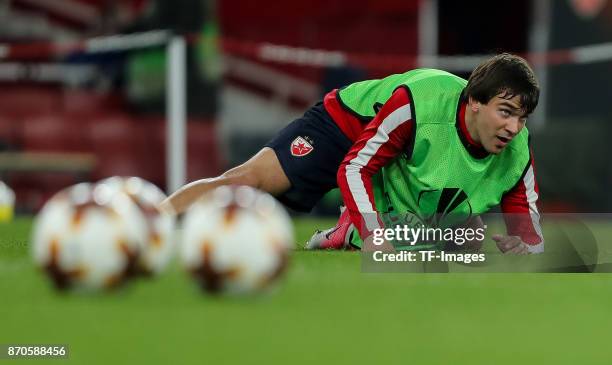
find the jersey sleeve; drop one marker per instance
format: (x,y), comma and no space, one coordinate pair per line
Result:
(521,214)
(388,134)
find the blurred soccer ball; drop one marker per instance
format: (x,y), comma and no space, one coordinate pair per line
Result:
(7,202)
(159,246)
(88,237)
(236,240)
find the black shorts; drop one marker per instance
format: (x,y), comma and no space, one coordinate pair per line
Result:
(310,150)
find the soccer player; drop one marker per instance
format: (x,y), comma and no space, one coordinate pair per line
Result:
(412,142)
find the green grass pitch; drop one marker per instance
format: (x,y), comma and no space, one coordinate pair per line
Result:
(325,312)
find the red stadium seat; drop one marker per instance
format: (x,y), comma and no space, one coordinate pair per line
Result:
(9,136)
(54,133)
(111,138)
(26,101)
(203,157)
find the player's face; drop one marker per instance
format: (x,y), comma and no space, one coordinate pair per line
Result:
(497,122)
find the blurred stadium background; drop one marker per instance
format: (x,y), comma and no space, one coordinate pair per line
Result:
(86,93)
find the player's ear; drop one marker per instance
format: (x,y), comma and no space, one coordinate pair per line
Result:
(473,104)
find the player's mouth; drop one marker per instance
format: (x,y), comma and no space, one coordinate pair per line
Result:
(503,140)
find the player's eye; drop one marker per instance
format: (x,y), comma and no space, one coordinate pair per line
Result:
(505,113)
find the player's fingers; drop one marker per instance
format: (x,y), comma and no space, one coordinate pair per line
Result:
(507,243)
(369,246)
(514,249)
(501,247)
(519,250)
(497,237)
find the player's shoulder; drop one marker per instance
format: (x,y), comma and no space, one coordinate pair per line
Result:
(425,74)
(434,85)
(435,95)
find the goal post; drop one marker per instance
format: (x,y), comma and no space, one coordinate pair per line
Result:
(176,114)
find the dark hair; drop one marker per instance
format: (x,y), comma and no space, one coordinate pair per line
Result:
(504,74)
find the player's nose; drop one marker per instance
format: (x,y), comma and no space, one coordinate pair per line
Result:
(513,126)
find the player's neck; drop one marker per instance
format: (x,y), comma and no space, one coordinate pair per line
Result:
(470,125)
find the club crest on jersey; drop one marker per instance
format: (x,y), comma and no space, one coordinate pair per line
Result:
(301,147)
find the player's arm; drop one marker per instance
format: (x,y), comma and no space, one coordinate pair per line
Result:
(262,171)
(389,133)
(522,217)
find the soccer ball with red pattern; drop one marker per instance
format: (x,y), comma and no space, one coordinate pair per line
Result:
(236,240)
(159,245)
(88,237)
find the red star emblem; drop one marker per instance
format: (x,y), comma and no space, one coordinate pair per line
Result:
(300,147)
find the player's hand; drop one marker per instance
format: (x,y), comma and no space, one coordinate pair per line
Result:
(510,244)
(369,246)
